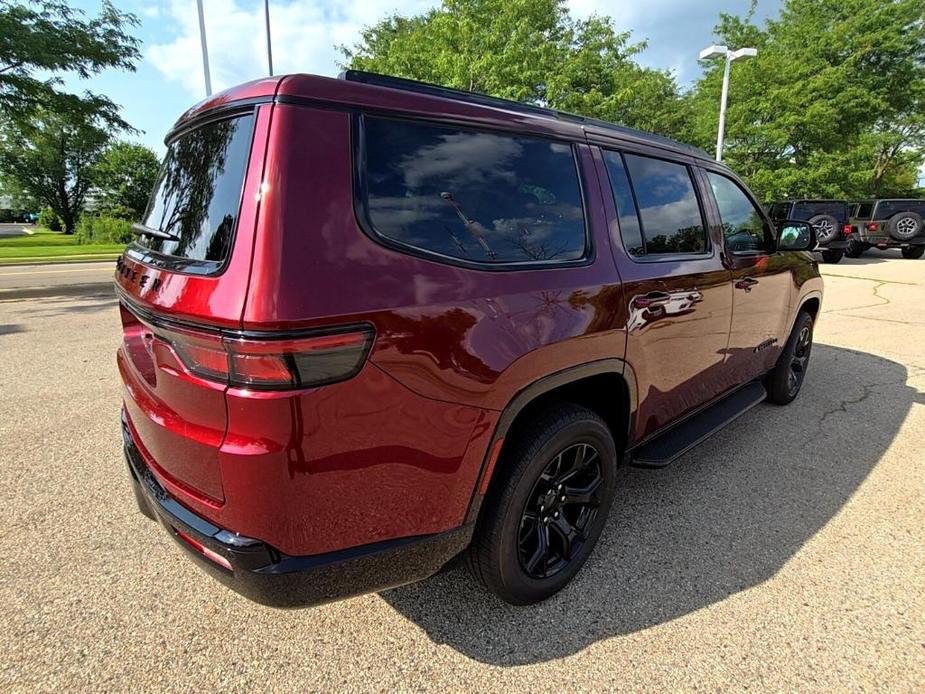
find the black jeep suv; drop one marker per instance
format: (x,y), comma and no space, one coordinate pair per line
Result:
(829,219)
(887,224)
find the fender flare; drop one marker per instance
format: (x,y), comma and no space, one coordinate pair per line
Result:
(529,394)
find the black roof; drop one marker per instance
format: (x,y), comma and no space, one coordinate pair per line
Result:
(497,102)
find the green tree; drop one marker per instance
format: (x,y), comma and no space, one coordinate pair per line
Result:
(48,37)
(52,160)
(527,50)
(834,104)
(124,178)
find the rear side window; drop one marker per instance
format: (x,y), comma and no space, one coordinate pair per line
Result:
(669,212)
(198,193)
(470,195)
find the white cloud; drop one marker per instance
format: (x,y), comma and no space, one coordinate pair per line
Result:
(305,35)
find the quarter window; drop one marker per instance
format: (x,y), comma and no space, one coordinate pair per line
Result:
(743,227)
(668,208)
(473,196)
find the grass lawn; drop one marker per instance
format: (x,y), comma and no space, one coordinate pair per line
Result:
(52,246)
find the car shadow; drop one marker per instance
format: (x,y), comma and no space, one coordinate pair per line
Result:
(725,517)
(874,256)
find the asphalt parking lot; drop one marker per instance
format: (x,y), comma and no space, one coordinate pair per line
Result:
(786,553)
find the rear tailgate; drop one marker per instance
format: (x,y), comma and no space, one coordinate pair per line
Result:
(182,283)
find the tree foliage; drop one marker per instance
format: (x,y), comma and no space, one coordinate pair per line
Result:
(50,37)
(528,50)
(833,106)
(52,160)
(124,178)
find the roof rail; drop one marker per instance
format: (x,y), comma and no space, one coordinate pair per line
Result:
(497,102)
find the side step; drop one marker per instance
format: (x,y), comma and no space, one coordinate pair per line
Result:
(682,437)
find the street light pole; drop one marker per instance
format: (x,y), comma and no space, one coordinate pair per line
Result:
(715,51)
(205,50)
(266,14)
(722,110)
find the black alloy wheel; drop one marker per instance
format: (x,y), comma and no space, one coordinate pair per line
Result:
(786,378)
(559,510)
(547,504)
(799,360)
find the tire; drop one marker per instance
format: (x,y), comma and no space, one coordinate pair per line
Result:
(524,511)
(832,257)
(786,378)
(905,225)
(825,226)
(855,249)
(913,252)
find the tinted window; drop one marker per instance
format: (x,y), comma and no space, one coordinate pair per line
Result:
(743,227)
(807,210)
(779,210)
(473,195)
(198,193)
(626,206)
(668,208)
(887,208)
(862,210)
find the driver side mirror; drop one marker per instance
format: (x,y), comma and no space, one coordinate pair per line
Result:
(795,236)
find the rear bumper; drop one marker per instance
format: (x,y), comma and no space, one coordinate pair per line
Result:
(265,575)
(885,240)
(839,244)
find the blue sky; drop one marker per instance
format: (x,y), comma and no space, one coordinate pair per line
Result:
(305,32)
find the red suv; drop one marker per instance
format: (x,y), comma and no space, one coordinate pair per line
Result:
(370,324)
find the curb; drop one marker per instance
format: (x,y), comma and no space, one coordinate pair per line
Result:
(101,289)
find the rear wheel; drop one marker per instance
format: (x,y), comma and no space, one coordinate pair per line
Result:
(913,252)
(855,249)
(905,226)
(825,226)
(547,507)
(832,257)
(786,378)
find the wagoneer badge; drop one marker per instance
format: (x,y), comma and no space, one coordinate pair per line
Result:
(133,276)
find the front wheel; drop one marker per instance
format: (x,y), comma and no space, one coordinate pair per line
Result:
(786,378)
(855,248)
(913,252)
(832,257)
(547,506)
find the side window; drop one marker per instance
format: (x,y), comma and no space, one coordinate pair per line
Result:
(626,205)
(669,212)
(743,227)
(779,211)
(471,195)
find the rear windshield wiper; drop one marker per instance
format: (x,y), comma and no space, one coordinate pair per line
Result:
(142,230)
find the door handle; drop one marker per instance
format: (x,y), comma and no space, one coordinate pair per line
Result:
(746,283)
(651,299)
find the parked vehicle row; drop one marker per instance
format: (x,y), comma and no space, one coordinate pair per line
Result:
(369,324)
(850,228)
(887,224)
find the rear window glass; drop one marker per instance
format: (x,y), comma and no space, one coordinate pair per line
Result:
(806,210)
(887,208)
(469,195)
(198,193)
(863,210)
(668,206)
(626,206)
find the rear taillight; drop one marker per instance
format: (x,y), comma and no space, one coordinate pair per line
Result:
(303,361)
(872,226)
(846,230)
